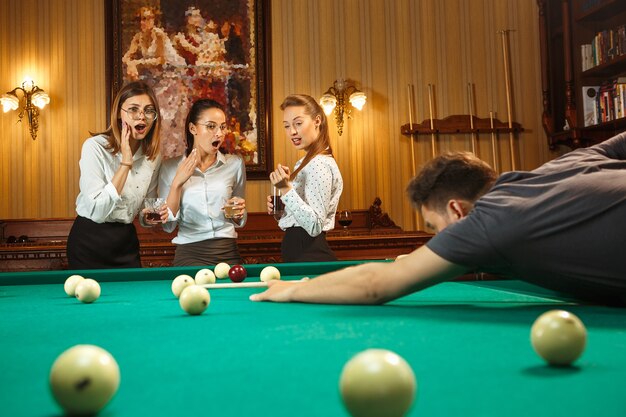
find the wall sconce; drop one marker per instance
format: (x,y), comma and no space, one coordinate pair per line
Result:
(335,98)
(34,99)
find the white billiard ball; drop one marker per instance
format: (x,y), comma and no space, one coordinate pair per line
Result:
(205,276)
(559,337)
(83,379)
(269,273)
(221,270)
(88,290)
(194,299)
(71,283)
(377,382)
(180,283)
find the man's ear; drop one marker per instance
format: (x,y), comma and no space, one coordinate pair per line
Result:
(457,209)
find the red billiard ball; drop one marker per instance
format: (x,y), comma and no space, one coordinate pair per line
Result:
(237,273)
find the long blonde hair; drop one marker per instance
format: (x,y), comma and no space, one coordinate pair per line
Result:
(151,145)
(312,109)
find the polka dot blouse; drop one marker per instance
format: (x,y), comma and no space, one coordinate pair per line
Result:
(313,199)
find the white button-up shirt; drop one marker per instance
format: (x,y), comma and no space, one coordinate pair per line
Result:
(98,199)
(312,201)
(200,215)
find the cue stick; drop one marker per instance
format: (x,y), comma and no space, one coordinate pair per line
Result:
(494,149)
(259,284)
(470,97)
(410,98)
(432,123)
(505,56)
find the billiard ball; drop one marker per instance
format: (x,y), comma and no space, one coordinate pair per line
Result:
(83,379)
(88,290)
(180,283)
(269,273)
(221,270)
(377,382)
(559,337)
(237,273)
(71,283)
(194,299)
(205,276)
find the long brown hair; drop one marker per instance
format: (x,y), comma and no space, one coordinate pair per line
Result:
(312,109)
(151,145)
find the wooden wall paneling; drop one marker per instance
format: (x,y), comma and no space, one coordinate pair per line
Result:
(6,15)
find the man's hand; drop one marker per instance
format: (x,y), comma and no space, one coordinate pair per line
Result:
(277,291)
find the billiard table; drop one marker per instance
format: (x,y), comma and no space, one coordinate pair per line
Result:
(467,342)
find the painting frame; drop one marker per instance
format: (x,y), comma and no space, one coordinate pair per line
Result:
(256,110)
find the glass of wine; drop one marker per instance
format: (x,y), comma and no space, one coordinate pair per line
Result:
(279,206)
(153,207)
(345,219)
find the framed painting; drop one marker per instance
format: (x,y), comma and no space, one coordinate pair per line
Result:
(191,49)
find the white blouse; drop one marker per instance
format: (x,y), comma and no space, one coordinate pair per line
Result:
(98,199)
(200,215)
(312,201)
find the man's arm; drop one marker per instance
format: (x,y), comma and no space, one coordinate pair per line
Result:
(370,283)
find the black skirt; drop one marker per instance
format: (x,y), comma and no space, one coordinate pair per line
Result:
(299,246)
(92,245)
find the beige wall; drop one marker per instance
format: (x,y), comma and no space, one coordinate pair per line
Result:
(383,45)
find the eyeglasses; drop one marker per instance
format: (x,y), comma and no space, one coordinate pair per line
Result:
(135,113)
(212,127)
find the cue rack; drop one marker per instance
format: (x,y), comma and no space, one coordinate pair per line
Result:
(466,123)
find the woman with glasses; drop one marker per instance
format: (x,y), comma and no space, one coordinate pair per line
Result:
(311,192)
(205,190)
(118,170)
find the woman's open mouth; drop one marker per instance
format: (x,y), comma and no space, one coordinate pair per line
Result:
(215,143)
(141,128)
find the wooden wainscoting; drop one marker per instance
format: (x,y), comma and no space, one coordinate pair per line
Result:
(40,243)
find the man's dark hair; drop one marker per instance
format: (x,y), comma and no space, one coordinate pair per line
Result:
(459,175)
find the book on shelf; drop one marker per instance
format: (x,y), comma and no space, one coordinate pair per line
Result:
(590,105)
(604,47)
(605,102)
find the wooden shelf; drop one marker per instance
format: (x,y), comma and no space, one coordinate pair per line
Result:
(459,123)
(562,79)
(588,135)
(609,69)
(602,10)
(617,124)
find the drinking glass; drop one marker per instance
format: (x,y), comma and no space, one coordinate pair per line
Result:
(153,205)
(229,209)
(279,206)
(345,219)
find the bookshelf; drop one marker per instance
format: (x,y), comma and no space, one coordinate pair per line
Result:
(573,33)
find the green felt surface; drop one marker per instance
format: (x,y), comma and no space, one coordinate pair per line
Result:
(468,344)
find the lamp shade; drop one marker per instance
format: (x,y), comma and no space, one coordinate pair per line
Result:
(40,99)
(358,99)
(328,103)
(9,102)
